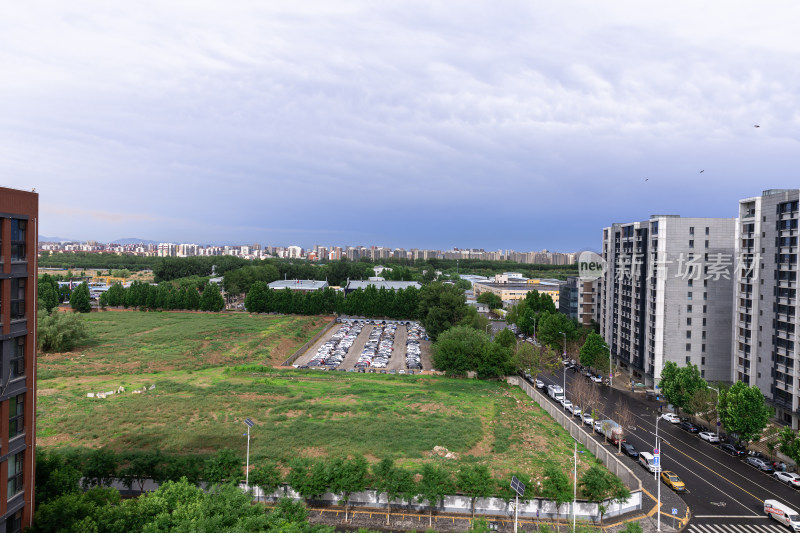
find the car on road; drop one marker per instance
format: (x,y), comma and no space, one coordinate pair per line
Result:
(598,426)
(539,384)
(671,417)
(688,426)
(708,437)
(597,379)
(628,449)
(567,405)
(587,419)
(760,464)
(673,481)
(576,411)
(731,450)
(790,478)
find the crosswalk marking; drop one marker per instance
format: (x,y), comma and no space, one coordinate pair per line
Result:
(737,528)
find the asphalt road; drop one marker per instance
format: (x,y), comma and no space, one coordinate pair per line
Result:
(720,487)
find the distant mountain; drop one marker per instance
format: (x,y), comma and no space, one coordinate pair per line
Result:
(42,238)
(132,240)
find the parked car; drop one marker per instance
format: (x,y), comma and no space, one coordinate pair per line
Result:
(708,437)
(688,426)
(760,464)
(598,426)
(587,419)
(539,384)
(731,450)
(567,405)
(671,417)
(575,410)
(628,449)
(673,481)
(790,478)
(597,379)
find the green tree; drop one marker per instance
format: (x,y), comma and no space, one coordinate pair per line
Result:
(139,467)
(211,300)
(458,350)
(594,350)
(54,476)
(224,466)
(536,359)
(441,307)
(308,479)
(598,485)
(743,410)
(491,299)
(48,293)
(347,476)
(435,484)
(80,300)
(506,338)
(266,477)
(558,487)
(788,444)
(494,361)
(395,482)
(60,332)
(549,329)
(101,468)
(679,384)
(476,482)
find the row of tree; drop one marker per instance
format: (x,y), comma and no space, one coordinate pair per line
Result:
(536,315)
(742,410)
(58,475)
(166,296)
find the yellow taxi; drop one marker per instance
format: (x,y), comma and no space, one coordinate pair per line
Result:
(673,481)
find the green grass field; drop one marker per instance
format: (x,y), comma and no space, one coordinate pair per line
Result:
(210,374)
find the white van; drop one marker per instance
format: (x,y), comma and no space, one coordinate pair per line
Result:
(647,460)
(783,514)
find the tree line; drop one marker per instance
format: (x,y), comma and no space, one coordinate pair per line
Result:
(164,296)
(60,478)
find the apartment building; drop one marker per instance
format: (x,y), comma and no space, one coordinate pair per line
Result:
(666,295)
(765,348)
(18,244)
(577,299)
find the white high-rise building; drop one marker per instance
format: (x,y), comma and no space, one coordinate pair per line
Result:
(666,295)
(765,348)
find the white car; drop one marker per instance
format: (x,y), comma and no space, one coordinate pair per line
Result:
(596,379)
(539,384)
(587,419)
(576,411)
(567,405)
(671,417)
(790,478)
(708,437)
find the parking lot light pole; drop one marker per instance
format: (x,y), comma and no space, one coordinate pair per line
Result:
(717,424)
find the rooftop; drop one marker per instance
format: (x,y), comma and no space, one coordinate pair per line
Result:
(299,284)
(393,285)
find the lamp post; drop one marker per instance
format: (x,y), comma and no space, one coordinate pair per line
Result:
(564,367)
(717,391)
(249,423)
(534,330)
(574,484)
(610,370)
(658,504)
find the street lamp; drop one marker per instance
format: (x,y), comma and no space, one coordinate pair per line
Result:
(610,370)
(717,391)
(658,470)
(534,330)
(249,423)
(574,483)
(564,367)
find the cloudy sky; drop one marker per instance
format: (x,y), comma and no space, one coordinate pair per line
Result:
(491,124)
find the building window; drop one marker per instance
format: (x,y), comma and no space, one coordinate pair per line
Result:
(688,295)
(688,334)
(688,349)
(706,243)
(706,230)
(691,243)
(689,321)
(15,523)
(702,373)
(18,228)
(15,474)
(691,230)
(704,309)
(689,308)
(690,283)
(16,416)
(703,348)
(702,360)
(17,363)
(17,298)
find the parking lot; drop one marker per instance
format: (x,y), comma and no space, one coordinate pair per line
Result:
(378,346)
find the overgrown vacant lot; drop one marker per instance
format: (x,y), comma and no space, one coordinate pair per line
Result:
(201,400)
(144,342)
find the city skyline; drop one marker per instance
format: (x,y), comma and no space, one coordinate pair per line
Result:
(499,126)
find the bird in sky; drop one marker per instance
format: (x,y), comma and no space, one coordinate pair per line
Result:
(756,126)
(647,179)
(702,171)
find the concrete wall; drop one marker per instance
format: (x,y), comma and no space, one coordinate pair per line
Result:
(462,504)
(604,453)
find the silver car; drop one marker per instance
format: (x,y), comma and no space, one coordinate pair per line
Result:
(708,437)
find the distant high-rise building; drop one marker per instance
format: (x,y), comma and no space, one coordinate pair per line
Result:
(666,297)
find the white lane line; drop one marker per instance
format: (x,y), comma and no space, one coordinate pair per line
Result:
(729,528)
(704,528)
